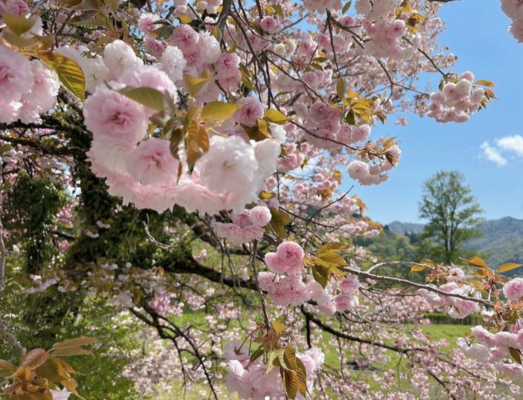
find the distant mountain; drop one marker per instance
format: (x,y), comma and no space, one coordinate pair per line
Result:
(405,228)
(502,239)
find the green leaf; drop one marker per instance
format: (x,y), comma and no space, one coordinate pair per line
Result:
(19,41)
(18,25)
(258,132)
(194,84)
(196,142)
(163,32)
(257,353)
(246,77)
(275,116)
(146,96)
(88,19)
(279,10)
(217,33)
(508,267)
(273,359)
(69,72)
(279,220)
(321,274)
(340,89)
(516,355)
(219,111)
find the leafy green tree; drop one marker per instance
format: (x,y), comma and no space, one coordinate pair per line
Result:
(453,215)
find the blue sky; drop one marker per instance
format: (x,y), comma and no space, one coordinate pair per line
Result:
(477,32)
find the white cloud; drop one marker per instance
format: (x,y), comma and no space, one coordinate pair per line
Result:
(492,154)
(513,144)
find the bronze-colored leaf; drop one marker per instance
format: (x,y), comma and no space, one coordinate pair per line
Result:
(34,358)
(332,246)
(196,142)
(53,370)
(81,341)
(332,256)
(516,355)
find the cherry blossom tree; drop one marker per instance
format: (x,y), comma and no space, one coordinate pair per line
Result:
(173,158)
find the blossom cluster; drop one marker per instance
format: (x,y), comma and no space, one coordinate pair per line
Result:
(493,348)
(456,102)
(457,307)
(514,10)
(27,88)
(253,380)
(285,284)
(246,226)
(144,171)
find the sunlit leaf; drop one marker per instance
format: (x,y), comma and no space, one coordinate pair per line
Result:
(18,25)
(332,246)
(69,72)
(275,116)
(146,96)
(196,142)
(278,327)
(332,256)
(477,262)
(265,195)
(219,111)
(484,82)
(194,84)
(417,268)
(508,267)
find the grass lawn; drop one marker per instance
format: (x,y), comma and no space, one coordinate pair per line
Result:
(448,332)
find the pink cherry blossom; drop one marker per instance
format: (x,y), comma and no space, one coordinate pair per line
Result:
(152,163)
(109,114)
(514,289)
(16,75)
(260,216)
(252,110)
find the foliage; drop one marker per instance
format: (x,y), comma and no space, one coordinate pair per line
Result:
(453,215)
